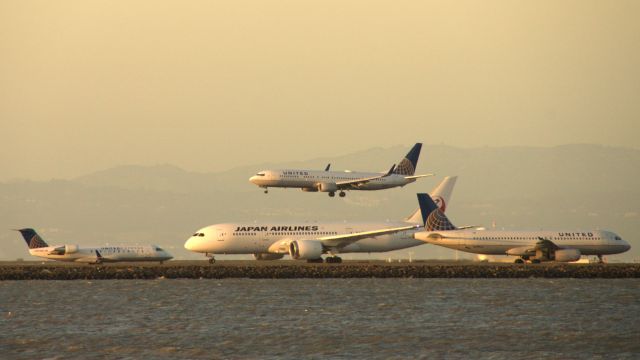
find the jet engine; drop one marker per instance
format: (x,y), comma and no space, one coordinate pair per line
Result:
(70,249)
(567,255)
(327,187)
(267,256)
(305,249)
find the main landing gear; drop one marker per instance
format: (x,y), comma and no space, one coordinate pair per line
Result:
(328,260)
(600,259)
(333,260)
(524,259)
(342,194)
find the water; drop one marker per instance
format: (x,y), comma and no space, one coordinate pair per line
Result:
(331,318)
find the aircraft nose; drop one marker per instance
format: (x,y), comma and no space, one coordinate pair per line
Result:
(627,246)
(253,179)
(191,244)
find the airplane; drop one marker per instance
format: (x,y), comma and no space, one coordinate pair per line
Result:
(91,255)
(309,241)
(533,246)
(332,181)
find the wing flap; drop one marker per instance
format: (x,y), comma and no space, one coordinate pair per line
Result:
(418,176)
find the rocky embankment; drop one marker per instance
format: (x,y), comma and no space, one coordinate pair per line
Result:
(319,271)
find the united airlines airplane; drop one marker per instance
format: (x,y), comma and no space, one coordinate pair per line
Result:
(309,241)
(332,181)
(534,246)
(91,255)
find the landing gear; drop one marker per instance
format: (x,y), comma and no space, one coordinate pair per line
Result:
(519,261)
(333,260)
(600,259)
(535,261)
(332,194)
(313,261)
(211,257)
(342,194)
(266,190)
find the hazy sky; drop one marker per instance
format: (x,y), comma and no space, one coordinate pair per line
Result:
(208,85)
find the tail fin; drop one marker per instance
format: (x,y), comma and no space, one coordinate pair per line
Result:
(433,218)
(441,195)
(32,238)
(407,166)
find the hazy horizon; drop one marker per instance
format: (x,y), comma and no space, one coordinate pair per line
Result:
(88,85)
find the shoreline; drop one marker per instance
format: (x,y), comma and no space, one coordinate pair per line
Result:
(299,269)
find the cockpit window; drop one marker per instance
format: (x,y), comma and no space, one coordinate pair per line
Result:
(618,238)
(198,234)
(159,248)
(260,174)
(201,234)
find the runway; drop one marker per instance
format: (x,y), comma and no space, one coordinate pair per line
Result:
(299,269)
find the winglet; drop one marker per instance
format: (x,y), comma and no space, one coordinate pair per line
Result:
(393,167)
(328,166)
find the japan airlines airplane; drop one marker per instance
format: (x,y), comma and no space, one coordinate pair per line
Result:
(309,241)
(332,181)
(91,255)
(536,246)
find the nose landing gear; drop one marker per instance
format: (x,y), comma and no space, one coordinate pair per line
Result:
(211,257)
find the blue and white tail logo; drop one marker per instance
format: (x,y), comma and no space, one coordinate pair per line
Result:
(407,166)
(32,239)
(437,221)
(432,216)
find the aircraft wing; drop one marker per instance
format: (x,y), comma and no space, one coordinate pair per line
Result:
(418,176)
(544,244)
(347,183)
(347,239)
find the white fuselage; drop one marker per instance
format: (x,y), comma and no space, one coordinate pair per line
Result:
(253,238)
(492,242)
(107,253)
(309,180)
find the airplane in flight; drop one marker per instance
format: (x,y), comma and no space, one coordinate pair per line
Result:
(534,246)
(91,255)
(309,241)
(333,181)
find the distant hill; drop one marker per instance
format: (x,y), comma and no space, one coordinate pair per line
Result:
(570,186)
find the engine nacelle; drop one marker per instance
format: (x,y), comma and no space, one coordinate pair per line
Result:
(305,249)
(267,256)
(70,249)
(327,187)
(567,255)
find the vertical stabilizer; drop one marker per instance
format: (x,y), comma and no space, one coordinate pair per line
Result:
(32,238)
(441,195)
(407,166)
(434,219)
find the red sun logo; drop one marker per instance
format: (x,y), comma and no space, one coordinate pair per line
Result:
(440,203)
